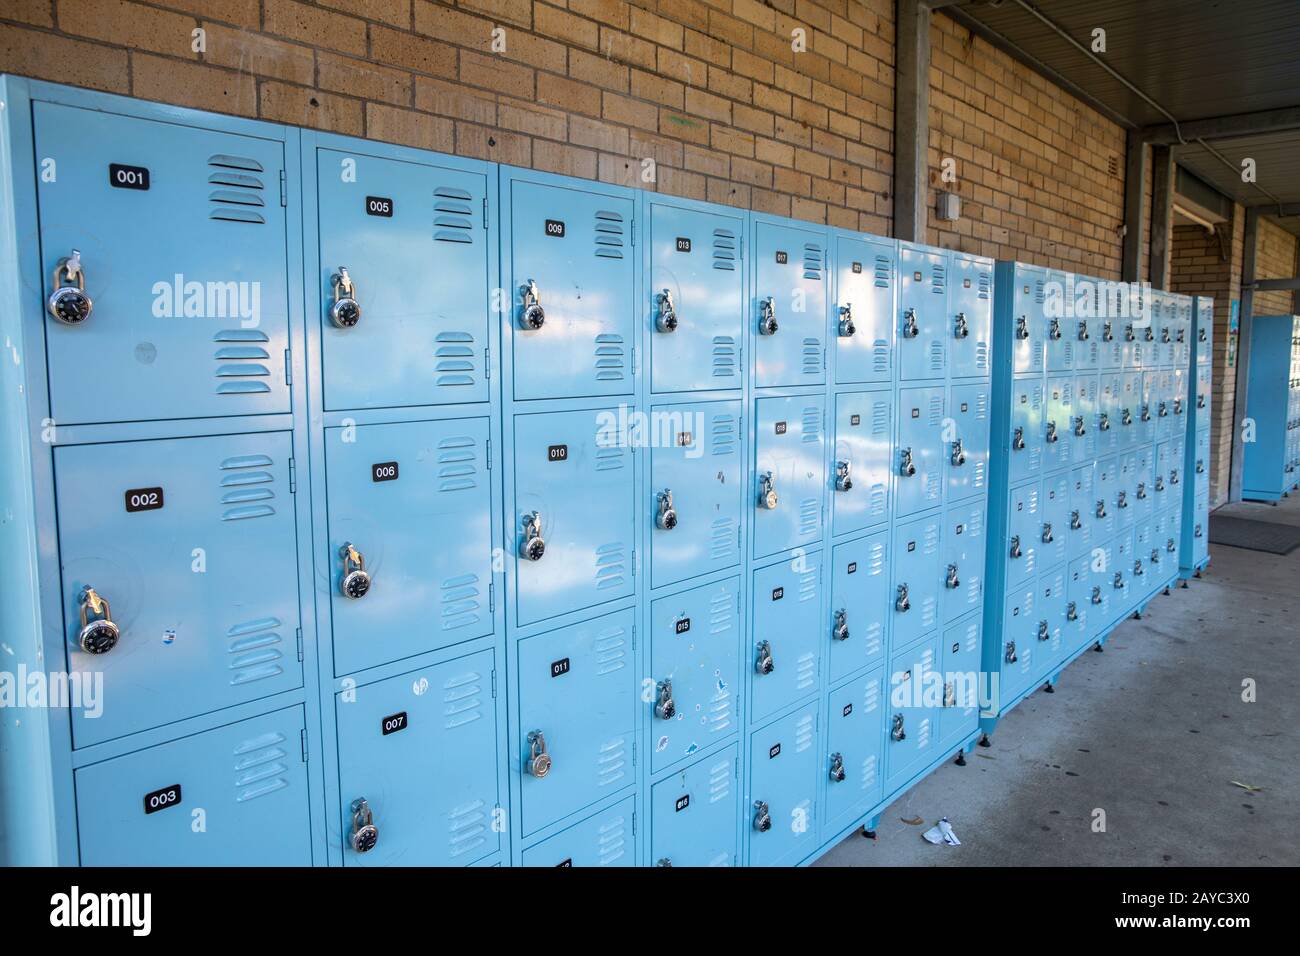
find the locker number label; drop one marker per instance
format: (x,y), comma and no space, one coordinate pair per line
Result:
(782,258)
(560,667)
(781,428)
(774,751)
(555,228)
(848,709)
(557,453)
(144,499)
(384,471)
(683,244)
(683,802)
(857,268)
(379,206)
(853,567)
(162,799)
(778,593)
(128,177)
(393,723)
(855,420)
(683,625)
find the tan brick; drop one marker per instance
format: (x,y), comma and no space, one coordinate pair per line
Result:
(396,12)
(518,12)
(620,47)
(565,160)
(704,47)
(454,100)
(38,13)
(452,26)
(342,74)
(302,106)
(727,28)
(692,13)
(602,136)
(315,26)
(654,28)
(619,170)
(678,182)
(492,144)
(48,57)
(613,12)
(527,117)
(598,70)
(410,52)
(564,26)
(622,109)
(686,128)
(189,84)
(130,25)
(256,53)
(409,127)
(648,86)
(493,73)
(707,105)
(727,84)
(568,94)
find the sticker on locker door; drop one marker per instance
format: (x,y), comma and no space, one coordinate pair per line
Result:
(187,600)
(789,486)
(860,482)
(788,315)
(859,617)
(408,560)
(863,313)
(693,813)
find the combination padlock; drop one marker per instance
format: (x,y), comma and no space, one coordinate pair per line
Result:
(1080,429)
(1083,331)
(68,303)
(1200,401)
(1015,546)
(767,499)
(534,545)
(1160,482)
(665,708)
(1178,406)
(1022,328)
(1018,439)
(840,626)
(538,762)
(1200,466)
(1173,476)
(365,835)
(898,730)
(960,328)
(1201,336)
(1071,612)
(910,329)
(767,317)
(1149,334)
(1048,538)
(1076,522)
(1142,491)
(1107,334)
(98,634)
(1118,582)
(949,694)
(1096,594)
(666,319)
(1126,417)
(763,662)
(1121,498)
(664,861)
(1054,330)
(1162,410)
(902,603)
(1146,413)
(1129,334)
(762,817)
(531,315)
(843,482)
(355,581)
(1101,508)
(1170,546)
(1155,555)
(666,515)
(837,768)
(1164,335)
(958,457)
(1051,433)
(1010,655)
(1181,337)
(1138,570)
(906,467)
(1197,532)
(847,328)
(345,311)
(1103,421)
(950,580)
(1044,631)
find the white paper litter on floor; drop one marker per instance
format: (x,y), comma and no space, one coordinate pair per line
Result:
(942,832)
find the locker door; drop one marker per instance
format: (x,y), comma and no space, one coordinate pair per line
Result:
(1167,333)
(855,735)
(696,473)
(915,702)
(249,778)
(1105,487)
(1026,429)
(1027,320)
(971,318)
(1087,342)
(1141,350)
(918,579)
(1122,579)
(421,750)
(1130,409)
(921,458)
(1178,401)
(1200,529)
(693,814)
(967,461)
(187,272)
(1144,483)
(1108,415)
(787,615)
(924,329)
(860,596)
(1125,499)
(577,704)
(865,284)
(1083,431)
(1129,333)
(1083,508)
(1164,532)
(1019,643)
(1058,424)
(1078,604)
(788,459)
(574,470)
(415,245)
(962,559)
(1103,603)
(783,778)
(790,269)
(1146,560)
(138,521)
(1024,530)
(959,716)
(413,500)
(1111,344)
(603,839)
(695,663)
(1054,512)
(1165,494)
(694,301)
(860,483)
(575,247)
(1177,456)
(1204,331)
(1150,408)
(1201,465)
(1204,381)
(1059,330)
(1051,633)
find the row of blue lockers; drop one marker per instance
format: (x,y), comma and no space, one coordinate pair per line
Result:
(738,512)
(1271,443)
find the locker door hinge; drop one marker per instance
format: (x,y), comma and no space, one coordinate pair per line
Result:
(634,368)
(634,823)
(302,735)
(284,189)
(634,637)
(634,753)
(634,562)
(489,454)
(485,212)
(634,232)
(492,598)
(297,633)
(494,683)
(293,477)
(487,363)
(288,367)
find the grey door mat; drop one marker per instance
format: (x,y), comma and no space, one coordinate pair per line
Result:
(1254,535)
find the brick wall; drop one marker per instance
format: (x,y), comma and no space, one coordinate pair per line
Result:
(1275,258)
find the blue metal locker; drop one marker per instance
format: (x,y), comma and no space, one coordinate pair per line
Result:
(967,463)
(961,560)
(1079,618)
(924,329)
(1103,568)
(961,670)
(407,243)
(191,545)
(606,838)
(1083,431)
(1054,507)
(919,579)
(1108,414)
(1083,510)
(1062,332)
(1110,345)
(1027,430)
(788,640)
(1052,610)
(923,453)
(1126,491)
(970,299)
(915,702)
(577,692)
(182,329)
(1164,402)
(1058,424)
(692,699)
(854,738)
(789,472)
(1087,342)
(789,312)
(866,274)
(1028,322)
(694,298)
(235,795)
(784,767)
(1106,490)
(864,429)
(410,539)
(572,289)
(860,604)
(1130,409)
(417,761)
(1122,581)
(1024,533)
(1019,644)
(574,490)
(697,487)
(693,813)
(1144,477)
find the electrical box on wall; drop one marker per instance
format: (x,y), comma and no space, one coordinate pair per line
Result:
(948,207)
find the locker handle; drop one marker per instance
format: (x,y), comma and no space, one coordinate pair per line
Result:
(532,315)
(1118,583)
(1129,334)
(846,327)
(1150,334)
(1138,570)
(1051,433)
(1155,555)
(1101,508)
(764,662)
(68,303)
(345,311)
(1103,421)
(1096,594)
(1079,428)
(1075,522)
(1018,439)
(762,817)
(767,324)
(665,707)
(1107,335)
(98,634)
(666,320)
(843,481)
(767,497)
(1047,533)
(1071,612)
(1121,499)
(951,581)
(1010,655)
(898,730)
(1126,417)
(1146,413)
(1015,546)
(906,467)
(1141,490)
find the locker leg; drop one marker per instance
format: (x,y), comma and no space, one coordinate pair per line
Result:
(1097,647)
(1137,615)
(961,758)
(1049,687)
(985,741)
(1198,573)
(869,828)
(1166,591)
(1184,584)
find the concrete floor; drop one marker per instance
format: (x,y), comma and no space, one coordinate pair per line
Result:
(1153,731)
